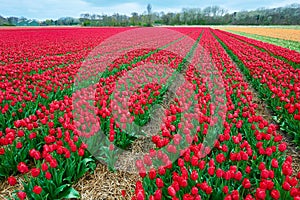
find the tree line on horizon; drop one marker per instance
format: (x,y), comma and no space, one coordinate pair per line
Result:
(211,15)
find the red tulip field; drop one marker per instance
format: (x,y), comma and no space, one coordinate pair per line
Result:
(147,113)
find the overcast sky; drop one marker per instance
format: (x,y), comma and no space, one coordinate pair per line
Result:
(54,9)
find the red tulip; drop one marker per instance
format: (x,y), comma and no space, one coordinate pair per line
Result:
(12,180)
(22,195)
(35,172)
(22,167)
(152,174)
(275,194)
(37,189)
(260,193)
(286,186)
(246,183)
(171,191)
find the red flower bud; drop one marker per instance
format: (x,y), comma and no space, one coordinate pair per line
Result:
(171,191)
(159,183)
(194,175)
(275,194)
(22,167)
(12,180)
(48,175)
(37,189)
(35,172)
(21,195)
(152,174)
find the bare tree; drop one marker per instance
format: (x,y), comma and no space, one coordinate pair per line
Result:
(149,8)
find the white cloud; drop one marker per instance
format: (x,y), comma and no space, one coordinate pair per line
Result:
(123,8)
(282,3)
(56,8)
(43,9)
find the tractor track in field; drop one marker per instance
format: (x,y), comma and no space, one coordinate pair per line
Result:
(266,113)
(105,184)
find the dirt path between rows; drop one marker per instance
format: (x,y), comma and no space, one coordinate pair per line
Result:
(266,113)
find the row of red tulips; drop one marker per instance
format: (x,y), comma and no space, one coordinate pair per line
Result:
(277,51)
(27,45)
(25,85)
(277,82)
(37,66)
